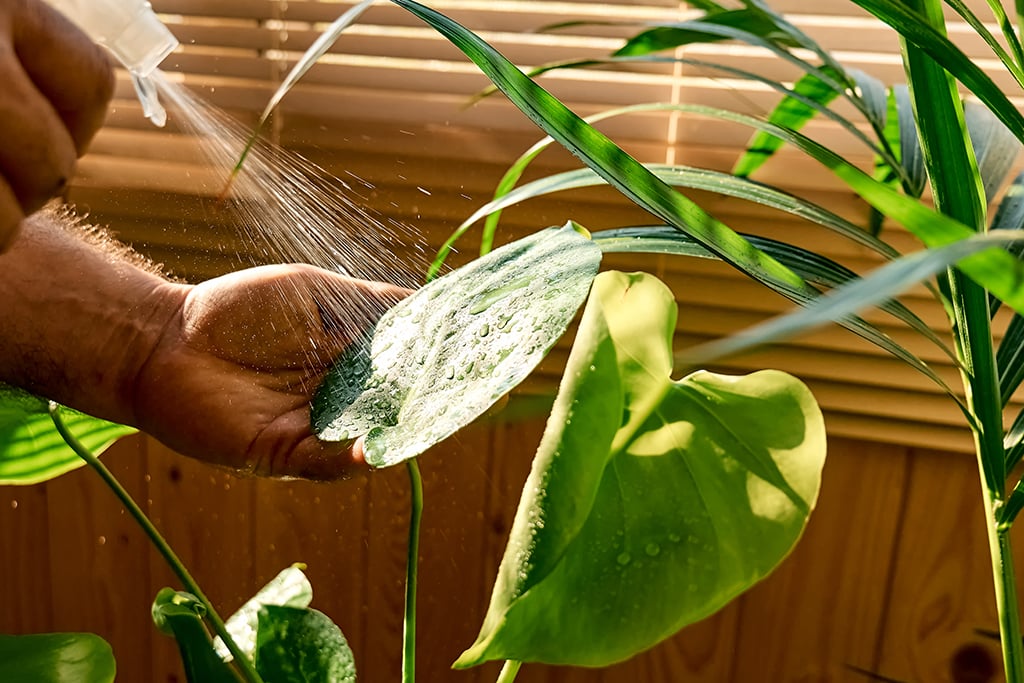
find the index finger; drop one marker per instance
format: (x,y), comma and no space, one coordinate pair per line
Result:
(71,71)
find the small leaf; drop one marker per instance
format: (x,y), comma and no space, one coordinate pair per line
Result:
(651,502)
(56,658)
(301,645)
(31,448)
(180,615)
(443,356)
(290,588)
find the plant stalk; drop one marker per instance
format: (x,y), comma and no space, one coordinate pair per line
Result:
(1006,596)
(509,671)
(244,668)
(957,191)
(970,303)
(412,562)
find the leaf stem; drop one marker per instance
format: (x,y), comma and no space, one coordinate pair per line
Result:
(244,668)
(415,516)
(509,671)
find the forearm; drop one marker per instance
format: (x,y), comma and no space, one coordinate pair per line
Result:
(79,320)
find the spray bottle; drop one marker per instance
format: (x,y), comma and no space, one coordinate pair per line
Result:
(131,30)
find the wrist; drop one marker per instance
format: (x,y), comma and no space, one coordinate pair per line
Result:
(80,317)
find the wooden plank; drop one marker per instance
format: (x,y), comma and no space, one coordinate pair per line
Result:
(26,602)
(453,585)
(821,610)
(99,559)
(942,583)
(387,520)
(206,515)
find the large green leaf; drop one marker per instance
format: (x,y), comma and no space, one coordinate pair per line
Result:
(56,658)
(443,356)
(31,449)
(180,615)
(301,645)
(651,502)
(290,588)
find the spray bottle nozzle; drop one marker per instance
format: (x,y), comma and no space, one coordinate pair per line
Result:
(135,35)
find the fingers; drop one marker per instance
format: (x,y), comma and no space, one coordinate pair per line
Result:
(280,453)
(10,216)
(70,71)
(56,85)
(37,155)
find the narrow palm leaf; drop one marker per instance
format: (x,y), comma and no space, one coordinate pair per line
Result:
(916,30)
(1010,359)
(995,147)
(997,270)
(811,266)
(1007,28)
(317,50)
(711,28)
(958,192)
(668,33)
(620,169)
(695,179)
(1010,216)
(1013,443)
(1013,65)
(792,113)
(911,155)
(517,169)
(885,282)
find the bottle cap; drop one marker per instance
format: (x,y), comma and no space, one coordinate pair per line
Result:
(143,44)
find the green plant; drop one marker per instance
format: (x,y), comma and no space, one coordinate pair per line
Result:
(605,526)
(924,133)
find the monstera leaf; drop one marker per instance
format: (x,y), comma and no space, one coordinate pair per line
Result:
(651,502)
(302,645)
(443,356)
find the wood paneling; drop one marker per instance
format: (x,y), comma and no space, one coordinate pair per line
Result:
(891,576)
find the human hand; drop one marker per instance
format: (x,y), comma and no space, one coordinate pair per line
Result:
(56,86)
(231,379)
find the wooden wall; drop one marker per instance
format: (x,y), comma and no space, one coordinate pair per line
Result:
(891,575)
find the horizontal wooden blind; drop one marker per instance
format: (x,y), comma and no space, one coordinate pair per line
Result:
(387,105)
